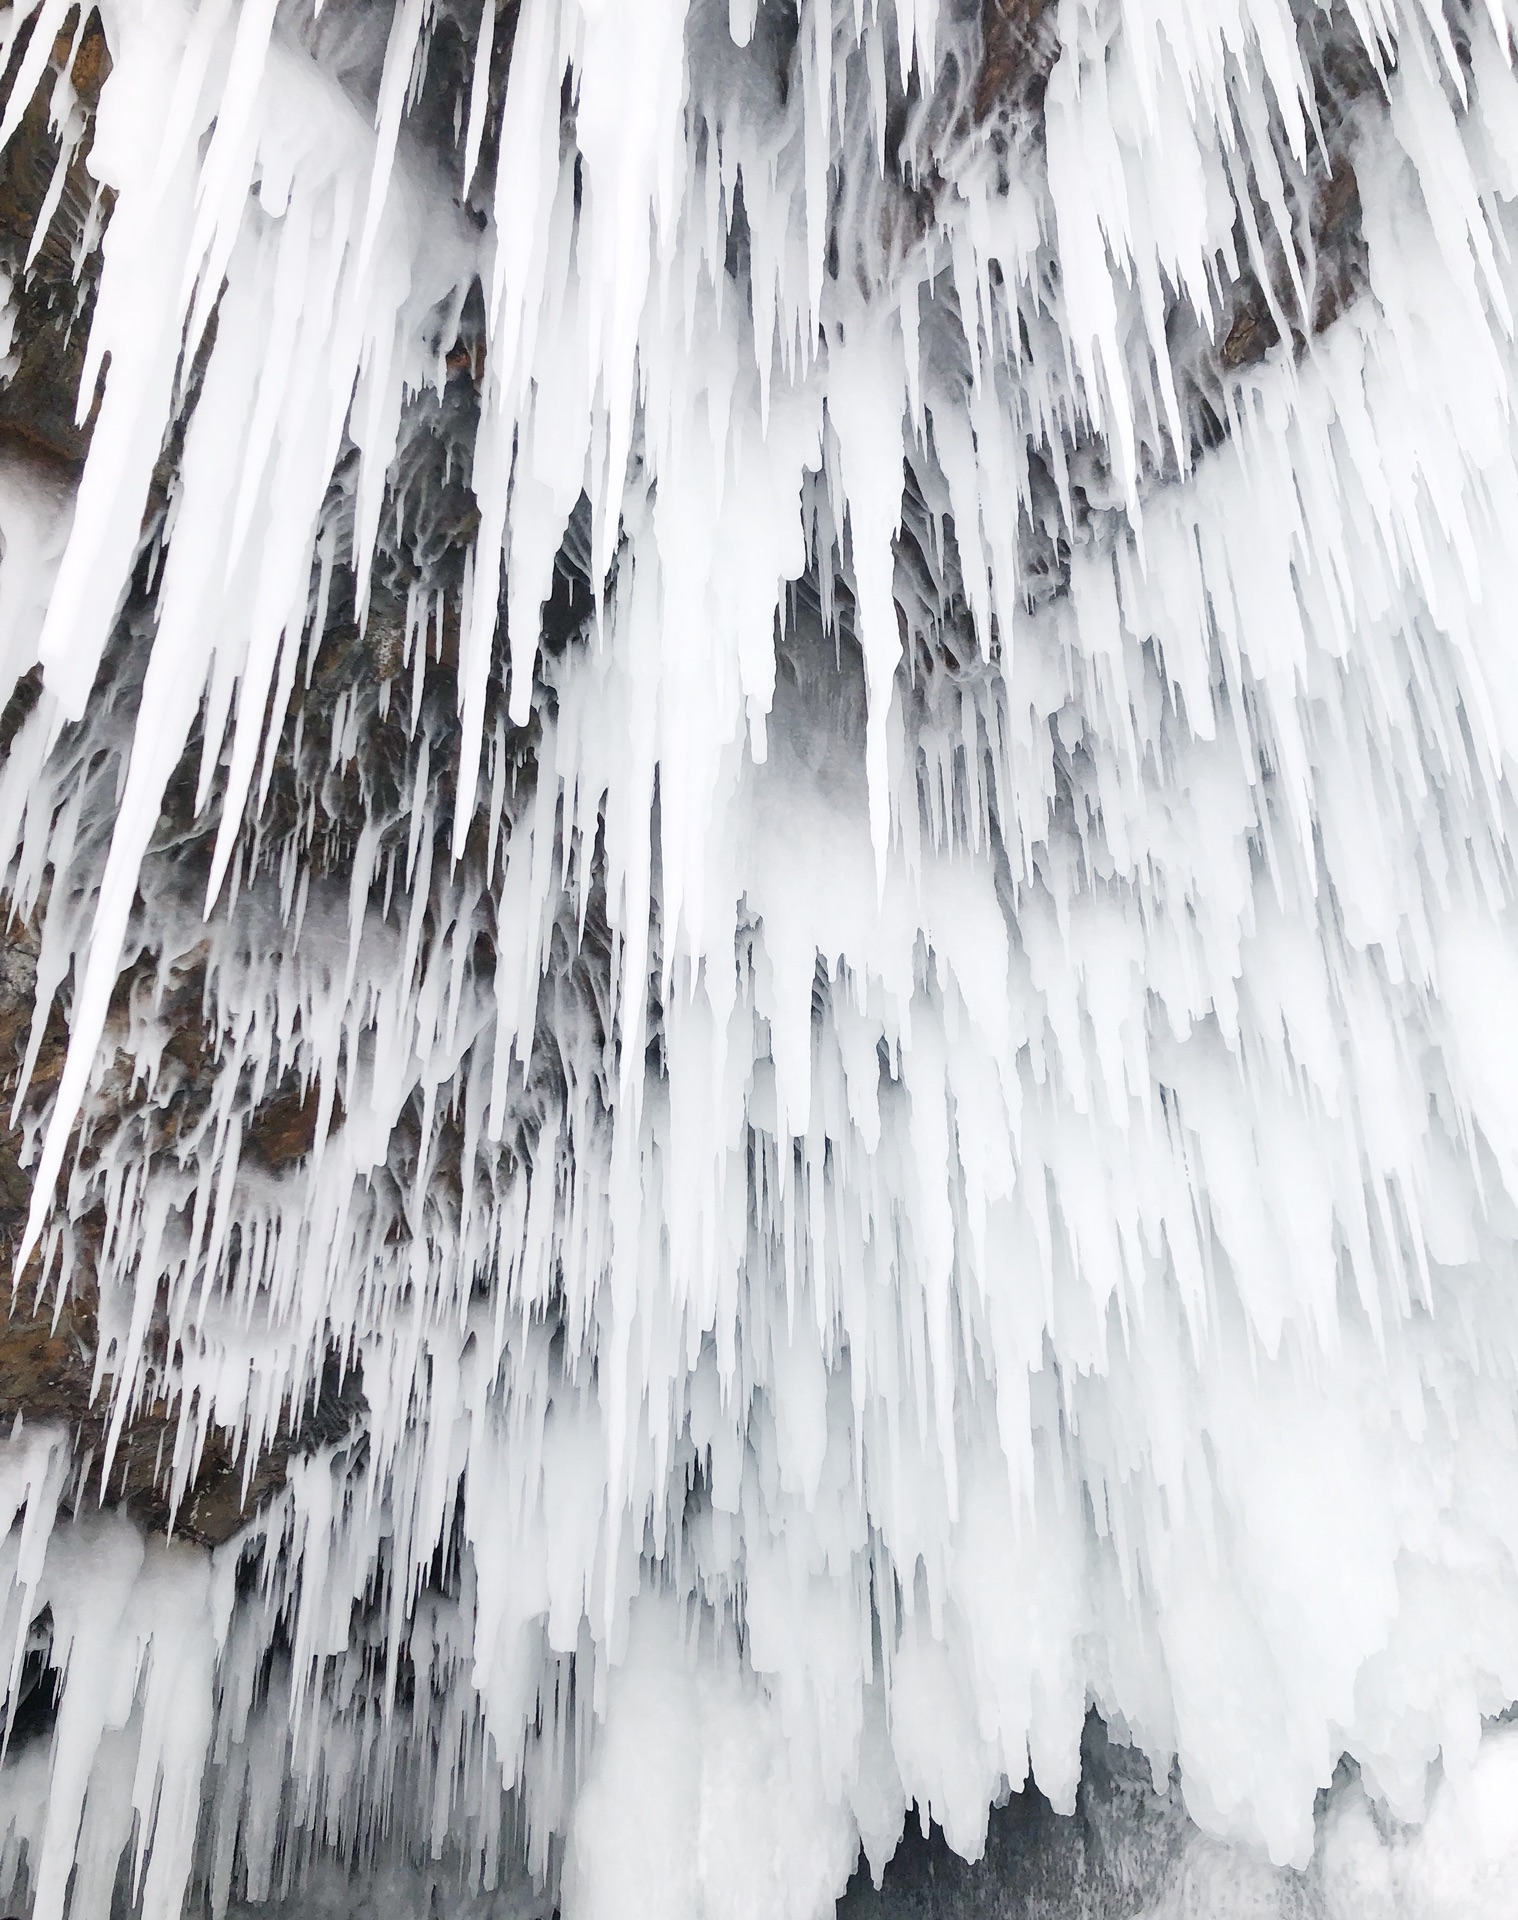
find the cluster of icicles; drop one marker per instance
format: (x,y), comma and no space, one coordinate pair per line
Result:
(879,1204)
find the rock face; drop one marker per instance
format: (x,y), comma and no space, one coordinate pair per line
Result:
(49,1347)
(50,1363)
(53,297)
(51,1368)
(1127,1851)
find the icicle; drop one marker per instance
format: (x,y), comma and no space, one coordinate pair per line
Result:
(479,93)
(932,1039)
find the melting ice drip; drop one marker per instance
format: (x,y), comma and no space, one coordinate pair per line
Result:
(890,876)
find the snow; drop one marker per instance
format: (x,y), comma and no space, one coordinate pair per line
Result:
(916,1130)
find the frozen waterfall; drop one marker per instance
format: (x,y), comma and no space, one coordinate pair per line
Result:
(758,825)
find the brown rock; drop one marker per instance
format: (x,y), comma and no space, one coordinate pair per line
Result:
(283,1130)
(38,404)
(1252,332)
(48,1347)
(1019,45)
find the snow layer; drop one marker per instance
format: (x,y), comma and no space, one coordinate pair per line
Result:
(918,1128)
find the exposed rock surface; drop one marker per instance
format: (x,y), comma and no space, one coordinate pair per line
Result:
(54,296)
(49,1347)
(1126,1851)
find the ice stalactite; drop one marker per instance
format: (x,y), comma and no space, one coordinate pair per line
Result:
(766,763)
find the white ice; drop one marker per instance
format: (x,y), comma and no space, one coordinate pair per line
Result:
(933,1141)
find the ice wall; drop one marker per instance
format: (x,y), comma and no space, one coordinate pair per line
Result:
(902,937)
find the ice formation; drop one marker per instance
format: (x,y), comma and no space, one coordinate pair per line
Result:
(885,853)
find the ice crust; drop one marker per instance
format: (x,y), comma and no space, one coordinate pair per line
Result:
(906,1145)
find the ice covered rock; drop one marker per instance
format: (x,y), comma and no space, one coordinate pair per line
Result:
(765,753)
